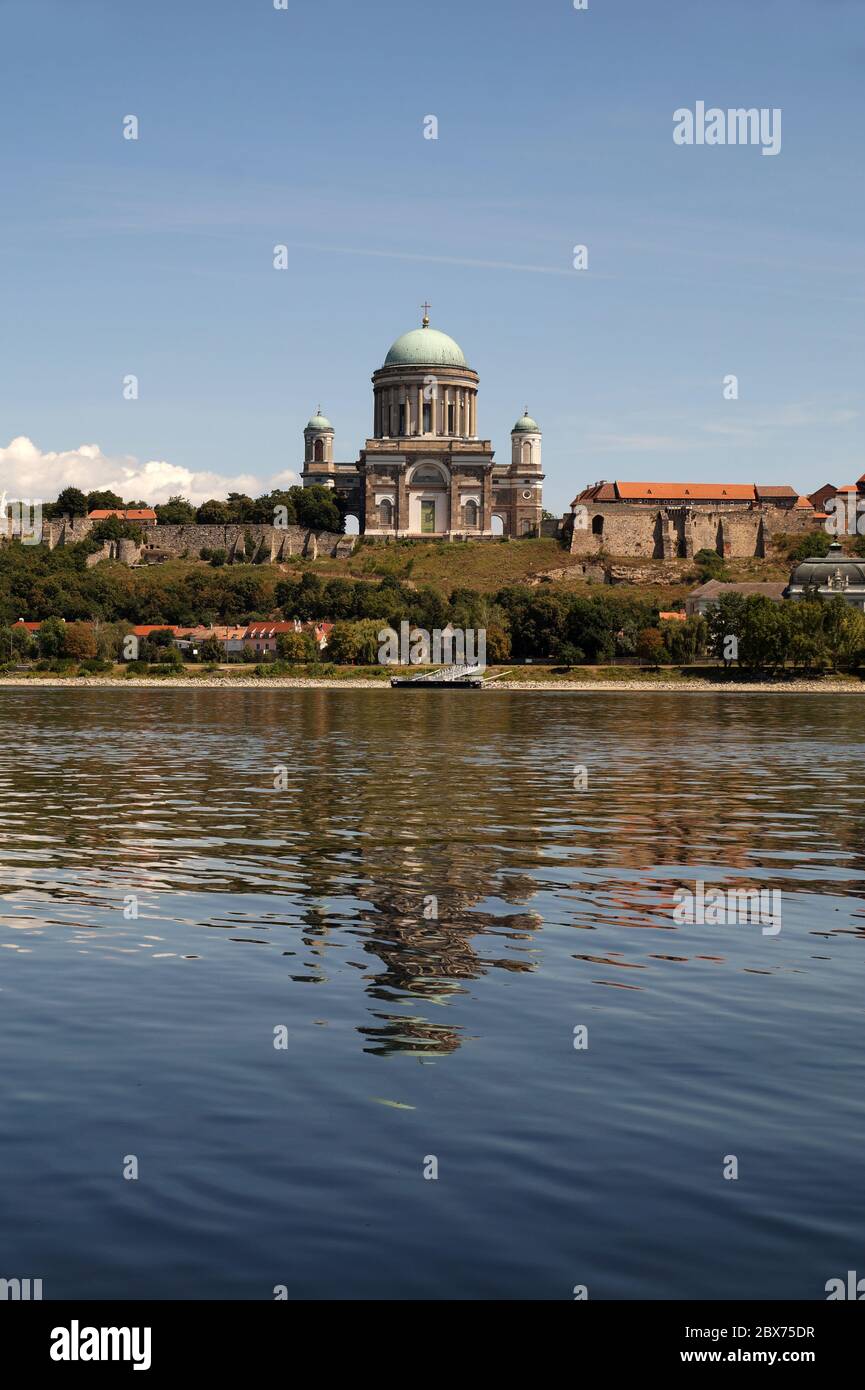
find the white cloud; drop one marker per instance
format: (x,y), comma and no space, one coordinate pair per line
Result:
(25,471)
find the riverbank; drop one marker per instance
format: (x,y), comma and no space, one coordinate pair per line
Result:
(575,685)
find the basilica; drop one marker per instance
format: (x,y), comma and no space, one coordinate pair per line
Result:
(426,472)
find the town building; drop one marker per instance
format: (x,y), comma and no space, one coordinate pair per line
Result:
(701,599)
(426,471)
(834,573)
(667,521)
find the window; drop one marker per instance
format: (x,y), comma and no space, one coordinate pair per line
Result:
(318,452)
(385,512)
(427,517)
(471,513)
(427,419)
(451,417)
(597,525)
(427,477)
(401,421)
(527,452)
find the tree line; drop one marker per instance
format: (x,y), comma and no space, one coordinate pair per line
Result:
(314,508)
(521,621)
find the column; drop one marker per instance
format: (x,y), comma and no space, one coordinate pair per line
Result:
(455,522)
(402,502)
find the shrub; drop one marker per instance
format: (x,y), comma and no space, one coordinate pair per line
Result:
(813,545)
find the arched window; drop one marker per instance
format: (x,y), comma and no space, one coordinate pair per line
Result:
(318,453)
(385,512)
(527,451)
(597,525)
(471,513)
(427,477)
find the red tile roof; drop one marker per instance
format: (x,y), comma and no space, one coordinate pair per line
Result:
(684,492)
(269,629)
(127,514)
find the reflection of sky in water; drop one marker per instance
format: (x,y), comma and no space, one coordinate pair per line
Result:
(554,909)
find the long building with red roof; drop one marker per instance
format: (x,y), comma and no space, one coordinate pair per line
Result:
(666,521)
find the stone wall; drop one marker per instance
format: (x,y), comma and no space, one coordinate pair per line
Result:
(678,532)
(269,543)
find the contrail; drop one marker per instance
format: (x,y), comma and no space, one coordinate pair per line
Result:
(441,260)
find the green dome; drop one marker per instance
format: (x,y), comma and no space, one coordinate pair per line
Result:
(425,347)
(320,422)
(526,425)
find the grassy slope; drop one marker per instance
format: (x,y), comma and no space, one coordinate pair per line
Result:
(487,567)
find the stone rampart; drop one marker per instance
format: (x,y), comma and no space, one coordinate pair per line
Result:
(241,543)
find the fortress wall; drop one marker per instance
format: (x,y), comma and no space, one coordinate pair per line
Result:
(272,543)
(671,532)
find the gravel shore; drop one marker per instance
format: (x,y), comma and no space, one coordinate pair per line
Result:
(798,687)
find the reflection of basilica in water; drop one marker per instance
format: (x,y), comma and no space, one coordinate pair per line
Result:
(338,871)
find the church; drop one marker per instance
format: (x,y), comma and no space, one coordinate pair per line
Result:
(426,472)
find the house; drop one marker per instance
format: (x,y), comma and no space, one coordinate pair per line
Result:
(699,600)
(262,637)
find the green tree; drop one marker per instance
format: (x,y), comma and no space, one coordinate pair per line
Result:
(354,643)
(71,502)
(52,637)
(498,644)
(293,646)
(316,509)
(211,649)
(726,619)
(79,641)
(213,513)
(710,565)
(177,511)
(812,544)
(650,645)
(101,501)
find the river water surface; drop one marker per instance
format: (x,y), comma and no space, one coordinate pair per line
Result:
(409,892)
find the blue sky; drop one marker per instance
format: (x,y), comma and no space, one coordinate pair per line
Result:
(305,127)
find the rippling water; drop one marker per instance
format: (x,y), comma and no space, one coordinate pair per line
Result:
(409,1036)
